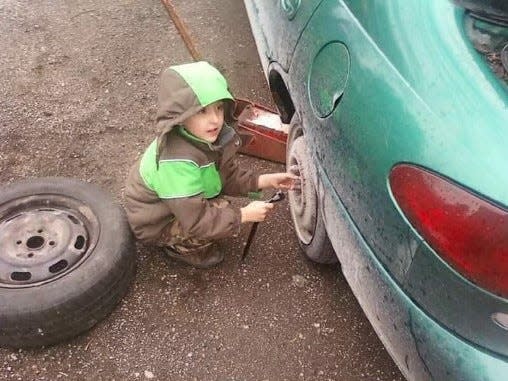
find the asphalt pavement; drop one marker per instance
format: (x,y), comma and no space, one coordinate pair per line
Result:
(77,99)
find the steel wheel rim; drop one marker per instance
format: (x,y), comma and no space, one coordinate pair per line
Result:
(44,237)
(303,201)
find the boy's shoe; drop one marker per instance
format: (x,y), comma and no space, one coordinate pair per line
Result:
(202,258)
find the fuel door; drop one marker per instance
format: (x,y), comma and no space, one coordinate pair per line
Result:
(328,78)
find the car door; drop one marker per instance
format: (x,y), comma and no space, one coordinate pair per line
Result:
(281,24)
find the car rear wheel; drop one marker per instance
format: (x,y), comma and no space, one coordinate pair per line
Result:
(66,259)
(305,211)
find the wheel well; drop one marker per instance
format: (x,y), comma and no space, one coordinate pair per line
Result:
(281,96)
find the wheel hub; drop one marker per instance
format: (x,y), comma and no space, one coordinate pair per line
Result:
(37,245)
(303,201)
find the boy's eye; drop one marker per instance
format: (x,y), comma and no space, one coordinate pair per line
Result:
(203,110)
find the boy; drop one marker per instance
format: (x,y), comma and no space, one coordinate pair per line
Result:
(171,191)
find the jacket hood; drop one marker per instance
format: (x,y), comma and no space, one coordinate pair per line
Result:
(186,89)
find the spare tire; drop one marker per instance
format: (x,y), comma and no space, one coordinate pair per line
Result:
(67,257)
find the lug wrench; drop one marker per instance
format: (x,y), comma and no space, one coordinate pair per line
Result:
(279,196)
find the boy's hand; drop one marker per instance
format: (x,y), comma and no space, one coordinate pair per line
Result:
(256,211)
(283,180)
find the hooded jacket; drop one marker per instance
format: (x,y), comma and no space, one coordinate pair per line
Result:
(179,173)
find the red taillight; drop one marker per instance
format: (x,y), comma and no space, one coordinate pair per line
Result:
(468,232)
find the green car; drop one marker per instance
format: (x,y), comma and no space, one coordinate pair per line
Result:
(398,115)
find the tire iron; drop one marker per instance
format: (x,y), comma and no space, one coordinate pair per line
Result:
(278,196)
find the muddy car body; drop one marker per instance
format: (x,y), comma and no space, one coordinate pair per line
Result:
(402,106)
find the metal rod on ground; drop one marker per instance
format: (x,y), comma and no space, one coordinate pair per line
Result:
(279,196)
(182,29)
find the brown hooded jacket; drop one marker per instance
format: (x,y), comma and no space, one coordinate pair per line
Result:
(184,90)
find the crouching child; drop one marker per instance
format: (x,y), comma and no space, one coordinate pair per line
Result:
(173,191)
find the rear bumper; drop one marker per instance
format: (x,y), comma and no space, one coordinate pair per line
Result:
(420,346)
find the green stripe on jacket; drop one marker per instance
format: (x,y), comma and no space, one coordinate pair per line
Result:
(178,178)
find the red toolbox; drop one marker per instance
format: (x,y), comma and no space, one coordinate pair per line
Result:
(263,134)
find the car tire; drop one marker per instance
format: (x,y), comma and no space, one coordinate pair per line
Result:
(303,203)
(67,257)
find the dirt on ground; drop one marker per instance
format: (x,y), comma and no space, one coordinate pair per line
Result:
(77,99)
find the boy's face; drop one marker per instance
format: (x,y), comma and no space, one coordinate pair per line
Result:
(207,123)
